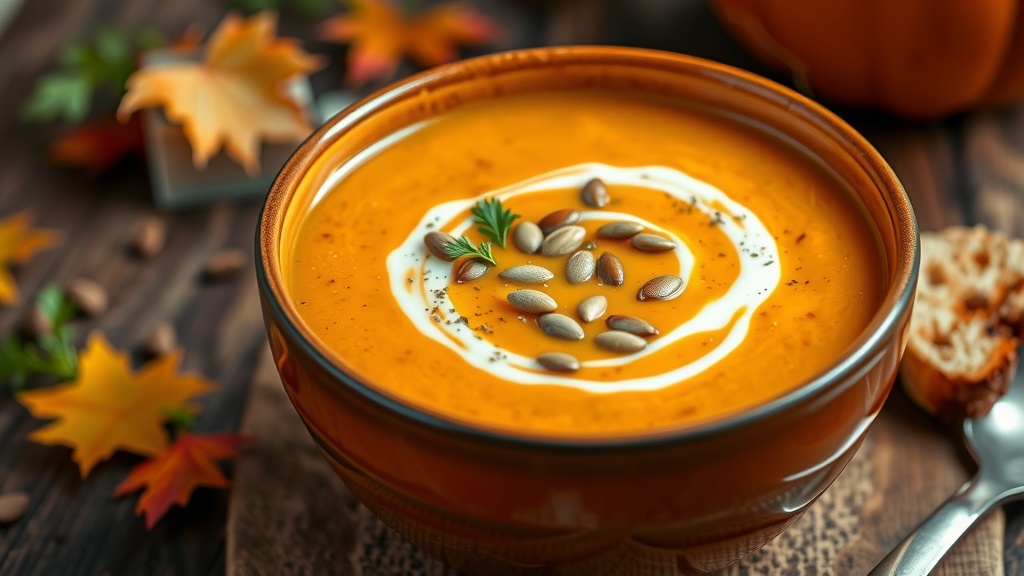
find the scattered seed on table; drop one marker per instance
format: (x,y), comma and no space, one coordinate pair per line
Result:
(528,237)
(12,506)
(161,340)
(435,241)
(558,219)
(149,237)
(560,326)
(631,324)
(592,308)
(609,270)
(225,264)
(531,301)
(559,362)
(563,241)
(580,267)
(595,193)
(661,288)
(87,295)
(527,274)
(36,323)
(619,341)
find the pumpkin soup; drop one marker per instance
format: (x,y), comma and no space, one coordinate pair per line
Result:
(584,263)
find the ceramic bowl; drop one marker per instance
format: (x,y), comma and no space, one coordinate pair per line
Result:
(690,501)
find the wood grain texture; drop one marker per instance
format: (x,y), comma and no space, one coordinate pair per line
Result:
(288,514)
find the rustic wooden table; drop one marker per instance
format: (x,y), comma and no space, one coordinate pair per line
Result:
(966,169)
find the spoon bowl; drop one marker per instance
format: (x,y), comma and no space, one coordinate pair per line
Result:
(996,441)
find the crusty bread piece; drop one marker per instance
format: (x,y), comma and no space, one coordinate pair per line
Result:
(969,314)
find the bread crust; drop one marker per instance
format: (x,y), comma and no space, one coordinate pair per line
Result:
(968,317)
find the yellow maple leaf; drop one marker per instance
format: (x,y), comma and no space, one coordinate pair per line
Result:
(18,243)
(380,35)
(107,408)
(236,96)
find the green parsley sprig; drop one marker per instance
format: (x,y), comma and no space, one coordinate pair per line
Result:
(51,354)
(464,247)
(495,221)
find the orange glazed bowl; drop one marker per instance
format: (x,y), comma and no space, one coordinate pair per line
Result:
(673,499)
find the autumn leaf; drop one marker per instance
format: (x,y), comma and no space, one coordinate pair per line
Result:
(380,35)
(235,97)
(18,243)
(107,408)
(97,146)
(171,476)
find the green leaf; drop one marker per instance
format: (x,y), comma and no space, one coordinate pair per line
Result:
(464,247)
(57,95)
(494,220)
(55,305)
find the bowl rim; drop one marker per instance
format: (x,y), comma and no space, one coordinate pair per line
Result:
(896,304)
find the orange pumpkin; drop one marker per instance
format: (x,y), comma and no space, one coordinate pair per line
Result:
(915,58)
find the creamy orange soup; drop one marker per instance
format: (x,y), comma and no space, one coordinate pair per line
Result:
(773,269)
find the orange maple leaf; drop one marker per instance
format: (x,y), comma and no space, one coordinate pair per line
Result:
(107,408)
(98,146)
(18,243)
(171,476)
(380,35)
(235,97)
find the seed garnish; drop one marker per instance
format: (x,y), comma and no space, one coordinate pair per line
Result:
(619,341)
(559,362)
(595,193)
(563,241)
(592,308)
(558,219)
(436,242)
(527,274)
(609,270)
(631,324)
(652,243)
(528,237)
(531,301)
(470,269)
(560,326)
(620,229)
(661,288)
(580,267)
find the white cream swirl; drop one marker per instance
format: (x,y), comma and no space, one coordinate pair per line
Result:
(753,285)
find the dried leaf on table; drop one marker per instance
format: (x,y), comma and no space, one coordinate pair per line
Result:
(235,96)
(380,35)
(18,243)
(98,146)
(171,476)
(108,408)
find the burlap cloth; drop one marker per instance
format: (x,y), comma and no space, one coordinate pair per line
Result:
(290,514)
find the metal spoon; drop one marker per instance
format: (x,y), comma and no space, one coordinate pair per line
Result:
(997,442)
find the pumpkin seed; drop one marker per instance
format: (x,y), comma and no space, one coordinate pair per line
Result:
(560,326)
(563,241)
(595,193)
(661,288)
(87,295)
(531,301)
(470,269)
(631,325)
(161,340)
(149,237)
(592,308)
(620,229)
(527,274)
(225,264)
(580,267)
(558,219)
(36,323)
(559,362)
(436,242)
(12,506)
(652,243)
(609,270)
(528,237)
(619,341)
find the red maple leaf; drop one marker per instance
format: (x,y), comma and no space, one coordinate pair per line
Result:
(97,146)
(171,476)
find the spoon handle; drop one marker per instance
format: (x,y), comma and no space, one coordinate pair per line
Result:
(921,551)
